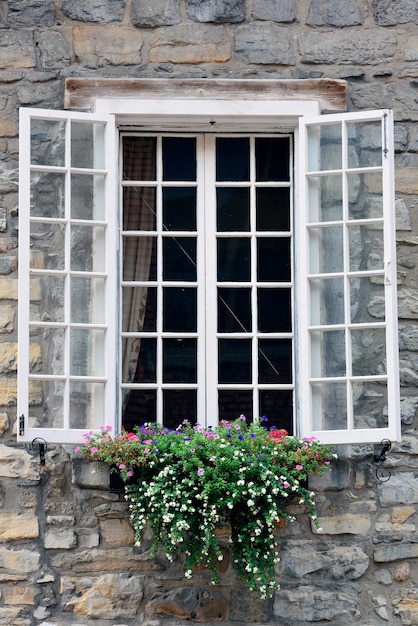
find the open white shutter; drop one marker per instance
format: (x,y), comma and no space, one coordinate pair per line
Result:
(347,365)
(67,274)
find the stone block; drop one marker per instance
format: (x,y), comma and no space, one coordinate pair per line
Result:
(31,12)
(4,423)
(117,532)
(389,13)
(15,526)
(90,475)
(217,11)
(97,46)
(406,606)
(94,10)
(395,552)
(60,539)
(155,13)
(19,594)
(345,48)
(17,463)
(7,318)
(189,43)
(196,603)
(401,489)
(8,357)
(411,49)
(114,560)
(8,264)
(21,561)
(264,44)
(8,394)
(17,49)
(272,10)
(344,523)
(245,607)
(306,603)
(326,560)
(54,50)
(111,596)
(337,13)
(337,479)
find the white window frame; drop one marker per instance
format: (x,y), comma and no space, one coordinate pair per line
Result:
(195,116)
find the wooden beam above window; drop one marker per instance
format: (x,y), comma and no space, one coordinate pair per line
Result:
(81,93)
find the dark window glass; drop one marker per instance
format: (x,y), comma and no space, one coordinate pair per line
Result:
(146,351)
(140,406)
(232,159)
(277,406)
(234,360)
(140,258)
(139,158)
(233,208)
(234,258)
(179,258)
(234,310)
(179,158)
(272,159)
(273,259)
(179,360)
(178,405)
(179,208)
(275,361)
(179,312)
(274,310)
(233,403)
(273,209)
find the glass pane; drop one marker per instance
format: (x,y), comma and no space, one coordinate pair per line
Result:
(87,352)
(88,248)
(179,258)
(234,360)
(366,246)
(325,198)
(367,300)
(139,158)
(46,351)
(45,404)
(87,405)
(234,310)
(47,142)
(275,361)
(365,193)
(47,195)
(87,300)
(82,144)
(273,208)
(179,158)
(329,406)
(139,309)
(139,360)
(179,208)
(273,259)
(47,298)
(369,352)
(370,400)
(325,147)
(277,406)
(233,209)
(140,258)
(139,208)
(86,191)
(272,159)
(232,158)
(274,310)
(234,257)
(180,310)
(326,250)
(178,405)
(47,244)
(327,301)
(232,403)
(139,406)
(328,353)
(179,360)
(365,140)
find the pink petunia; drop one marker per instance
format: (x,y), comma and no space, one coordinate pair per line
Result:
(200,471)
(122,466)
(94,449)
(77,449)
(299,467)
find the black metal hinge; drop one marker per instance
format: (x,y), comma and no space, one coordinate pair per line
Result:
(21,425)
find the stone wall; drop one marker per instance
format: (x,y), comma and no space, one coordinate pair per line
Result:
(66,554)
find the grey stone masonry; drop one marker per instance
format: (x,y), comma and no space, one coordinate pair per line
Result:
(67,554)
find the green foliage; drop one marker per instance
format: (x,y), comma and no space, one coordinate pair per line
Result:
(192,478)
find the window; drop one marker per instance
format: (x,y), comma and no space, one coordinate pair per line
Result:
(242,271)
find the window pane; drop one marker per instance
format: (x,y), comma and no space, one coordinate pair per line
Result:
(328,353)
(86,191)
(329,406)
(274,310)
(365,144)
(234,258)
(47,298)
(329,156)
(179,258)
(327,301)
(369,352)
(139,309)
(179,404)
(326,250)
(139,406)
(366,247)
(47,142)
(87,300)
(83,153)
(277,406)
(47,198)
(87,356)
(139,258)
(179,158)
(139,359)
(365,195)
(272,158)
(179,360)
(273,259)
(233,208)
(139,158)
(367,300)
(179,208)
(88,248)
(179,310)
(275,361)
(232,403)
(46,409)
(139,208)
(46,351)
(86,405)
(273,208)
(234,360)
(325,198)
(232,159)
(370,404)
(234,310)
(49,243)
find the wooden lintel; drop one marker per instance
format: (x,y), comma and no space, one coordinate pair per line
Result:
(81,93)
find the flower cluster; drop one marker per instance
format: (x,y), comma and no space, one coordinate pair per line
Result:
(191,478)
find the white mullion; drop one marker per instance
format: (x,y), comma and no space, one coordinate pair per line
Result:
(254,309)
(211,291)
(200,276)
(160,291)
(67,279)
